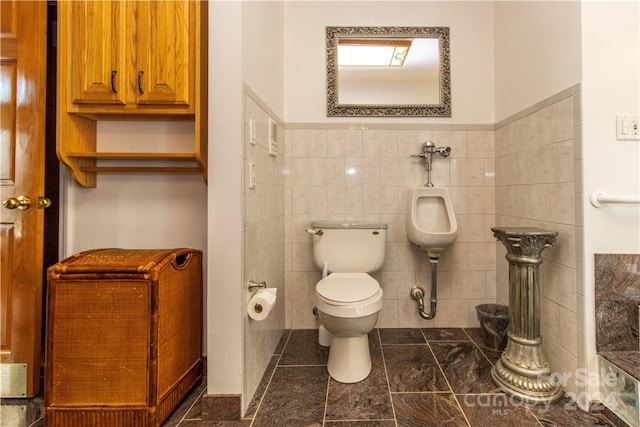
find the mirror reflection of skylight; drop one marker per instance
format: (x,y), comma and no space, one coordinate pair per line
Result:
(363,53)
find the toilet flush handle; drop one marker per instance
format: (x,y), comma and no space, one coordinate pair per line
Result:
(316,232)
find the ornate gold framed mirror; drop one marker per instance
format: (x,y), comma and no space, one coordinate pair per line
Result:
(388,72)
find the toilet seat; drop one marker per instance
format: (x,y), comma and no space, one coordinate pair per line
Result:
(348,295)
(347,288)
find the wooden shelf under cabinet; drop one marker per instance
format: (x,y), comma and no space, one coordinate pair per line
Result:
(77,149)
(134,156)
(140,157)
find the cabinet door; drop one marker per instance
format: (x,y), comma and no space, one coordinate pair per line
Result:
(165,52)
(96,49)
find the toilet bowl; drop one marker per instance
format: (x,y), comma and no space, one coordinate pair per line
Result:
(431,223)
(348,304)
(348,299)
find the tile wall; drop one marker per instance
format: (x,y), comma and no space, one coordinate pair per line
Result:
(538,160)
(333,172)
(263,252)
(522,171)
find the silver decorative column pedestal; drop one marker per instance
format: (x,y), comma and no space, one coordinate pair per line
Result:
(523,370)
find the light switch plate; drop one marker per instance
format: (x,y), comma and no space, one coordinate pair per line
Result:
(627,127)
(252,175)
(273,138)
(251,131)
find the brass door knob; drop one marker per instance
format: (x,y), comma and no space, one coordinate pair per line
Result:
(21,202)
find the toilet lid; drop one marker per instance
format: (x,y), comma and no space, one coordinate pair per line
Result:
(347,287)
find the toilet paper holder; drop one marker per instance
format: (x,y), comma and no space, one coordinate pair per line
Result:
(253,285)
(261,302)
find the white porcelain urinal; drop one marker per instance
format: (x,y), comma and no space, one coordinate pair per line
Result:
(431,224)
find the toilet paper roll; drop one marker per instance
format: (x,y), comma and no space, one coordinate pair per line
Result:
(261,303)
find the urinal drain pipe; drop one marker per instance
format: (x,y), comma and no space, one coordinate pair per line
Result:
(417,293)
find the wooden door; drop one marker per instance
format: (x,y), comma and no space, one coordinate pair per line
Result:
(22,116)
(95,42)
(165,59)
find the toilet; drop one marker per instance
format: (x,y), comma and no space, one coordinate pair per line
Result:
(348,299)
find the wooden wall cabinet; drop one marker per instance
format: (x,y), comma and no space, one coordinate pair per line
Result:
(130,60)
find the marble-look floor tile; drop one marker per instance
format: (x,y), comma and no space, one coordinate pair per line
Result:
(427,409)
(201,423)
(412,368)
(491,354)
(302,348)
(495,410)
(283,340)
(464,366)
(370,423)
(445,334)
(262,387)
(190,407)
(565,413)
(401,336)
(298,395)
(295,397)
(365,400)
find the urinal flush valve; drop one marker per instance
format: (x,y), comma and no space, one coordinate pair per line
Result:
(428,150)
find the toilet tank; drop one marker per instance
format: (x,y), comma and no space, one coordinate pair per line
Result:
(349,247)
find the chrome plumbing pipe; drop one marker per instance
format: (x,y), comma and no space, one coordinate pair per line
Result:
(428,150)
(417,294)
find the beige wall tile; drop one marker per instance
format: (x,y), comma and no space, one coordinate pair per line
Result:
(480,144)
(361,171)
(344,200)
(380,143)
(297,171)
(457,140)
(344,143)
(326,171)
(308,143)
(520,174)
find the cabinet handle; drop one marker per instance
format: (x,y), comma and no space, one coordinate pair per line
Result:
(140,73)
(113,80)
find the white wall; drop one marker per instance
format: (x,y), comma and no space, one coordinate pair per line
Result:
(610,86)
(537,47)
(224,339)
(471,41)
(139,210)
(263,51)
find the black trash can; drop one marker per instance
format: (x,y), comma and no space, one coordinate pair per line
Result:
(494,323)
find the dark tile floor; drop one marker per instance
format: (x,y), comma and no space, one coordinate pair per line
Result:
(420,377)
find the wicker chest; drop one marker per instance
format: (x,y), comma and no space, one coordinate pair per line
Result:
(124,336)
